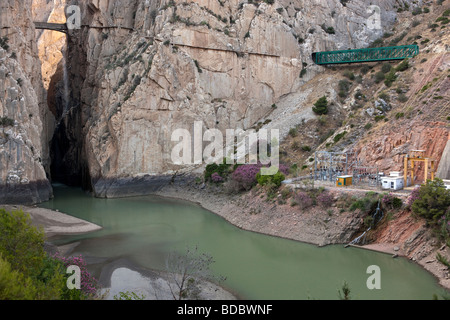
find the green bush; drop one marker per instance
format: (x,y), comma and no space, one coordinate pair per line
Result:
(350,75)
(6,122)
(386,67)
(403,65)
(390,78)
(30,272)
(293,132)
(222,170)
(275,179)
(339,136)
(379,76)
(433,201)
(366,204)
(402,97)
(399,115)
(321,106)
(306,148)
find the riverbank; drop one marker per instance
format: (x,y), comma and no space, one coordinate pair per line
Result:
(53,222)
(114,276)
(402,236)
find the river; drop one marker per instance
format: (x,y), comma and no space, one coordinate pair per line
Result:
(145,229)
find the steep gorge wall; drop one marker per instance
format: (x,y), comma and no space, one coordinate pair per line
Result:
(224,63)
(24,135)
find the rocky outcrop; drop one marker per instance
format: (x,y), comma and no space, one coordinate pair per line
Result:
(24,135)
(146,68)
(443,171)
(387,149)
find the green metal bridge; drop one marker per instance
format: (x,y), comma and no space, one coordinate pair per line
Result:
(365,55)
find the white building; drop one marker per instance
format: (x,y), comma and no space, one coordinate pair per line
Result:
(393,182)
(447,184)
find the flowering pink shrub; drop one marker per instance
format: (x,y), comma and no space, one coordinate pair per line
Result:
(89,284)
(303,200)
(387,198)
(415,194)
(215,177)
(245,175)
(284,169)
(324,199)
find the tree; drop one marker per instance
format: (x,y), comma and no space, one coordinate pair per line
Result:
(321,106)
(24,261)
(432,202)
(345,294)
(185,272)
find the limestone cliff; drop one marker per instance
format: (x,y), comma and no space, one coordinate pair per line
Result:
(23,133)
(145,68)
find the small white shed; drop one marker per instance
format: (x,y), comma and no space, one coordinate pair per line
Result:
(393,182)
(447,184)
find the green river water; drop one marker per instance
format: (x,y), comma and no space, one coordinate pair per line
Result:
(145,229)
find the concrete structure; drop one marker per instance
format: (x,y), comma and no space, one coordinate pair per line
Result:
(447,184)
(393,182)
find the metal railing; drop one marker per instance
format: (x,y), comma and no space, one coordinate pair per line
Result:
(365,55)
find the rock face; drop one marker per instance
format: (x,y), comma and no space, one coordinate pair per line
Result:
(23,133)
(387,149)
(161,65)
(443,170)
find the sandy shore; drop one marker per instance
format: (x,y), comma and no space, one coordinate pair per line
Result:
(54,222)
(118,275)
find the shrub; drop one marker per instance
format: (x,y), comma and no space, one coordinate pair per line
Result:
(6,122)
(302,73)
(215,177)
(293,132)
(245,175)
(321,106)
(26,271)
(391,201)
(431,201)
(324,199)
(399,115)
(339,136)
(89,284)
(275,179)
(377,43)
(403,65)
(379,76)
(364,69)
(366,204)
(402,97)
(390,78)
(303,200)
(306,148)
(284,169)
(222,170)
(416,11)
(386,67)
(350,75)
